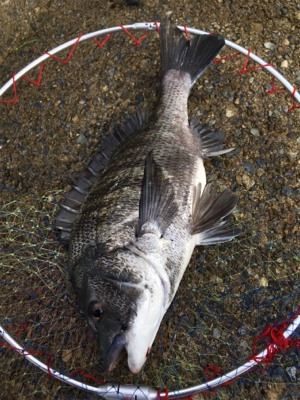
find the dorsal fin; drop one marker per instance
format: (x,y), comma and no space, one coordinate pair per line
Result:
(211,141)
(75,197)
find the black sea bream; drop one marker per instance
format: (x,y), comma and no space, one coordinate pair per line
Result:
(141,207)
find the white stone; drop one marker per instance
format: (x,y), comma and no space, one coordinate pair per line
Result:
(230,111)
(284,64)
(255,132)
(291,371)
(270,45)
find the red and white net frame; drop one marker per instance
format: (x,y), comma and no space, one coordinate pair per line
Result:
(277,338)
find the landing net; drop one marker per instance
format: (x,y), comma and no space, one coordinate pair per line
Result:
(53,116)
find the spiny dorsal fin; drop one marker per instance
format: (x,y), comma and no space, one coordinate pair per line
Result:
(209,209)
(157,203)
(75,197)
(211,141)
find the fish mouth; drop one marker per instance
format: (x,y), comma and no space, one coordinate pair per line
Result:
(116,351)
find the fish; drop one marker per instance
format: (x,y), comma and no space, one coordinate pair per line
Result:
(137,212)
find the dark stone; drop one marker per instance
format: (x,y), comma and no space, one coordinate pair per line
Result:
(286,191)
(217,162)
(284,11)
(81,139)
(291,39)
(296,192)
(249,167)
(278,374)
(112,71)
(268,86)
(33,26)
(132,2)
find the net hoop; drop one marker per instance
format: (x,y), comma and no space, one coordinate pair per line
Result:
(128,391)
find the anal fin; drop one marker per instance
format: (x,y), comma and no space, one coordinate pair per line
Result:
(209,209)
(157,203)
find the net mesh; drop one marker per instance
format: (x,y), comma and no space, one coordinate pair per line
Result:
(229,292)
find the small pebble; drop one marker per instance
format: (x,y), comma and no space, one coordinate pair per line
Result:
(168,14)
(263,282)
(242,331)
(284,64)
(270,45)
(291,371)
(247,180)
(216,333)
(231,111)
(298,15)
(286,42)
(255,132)
(81,139)
(268,86)
(249,167)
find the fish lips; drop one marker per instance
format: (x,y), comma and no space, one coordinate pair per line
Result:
(116,351)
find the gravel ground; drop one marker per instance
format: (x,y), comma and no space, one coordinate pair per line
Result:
(229,293)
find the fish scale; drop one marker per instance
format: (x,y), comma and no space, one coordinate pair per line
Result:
(145,207)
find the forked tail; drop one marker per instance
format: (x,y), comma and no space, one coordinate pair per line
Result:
(192,56)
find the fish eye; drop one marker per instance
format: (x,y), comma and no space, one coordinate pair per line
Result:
(95,311)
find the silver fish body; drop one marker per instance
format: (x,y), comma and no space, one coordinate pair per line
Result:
(135,232)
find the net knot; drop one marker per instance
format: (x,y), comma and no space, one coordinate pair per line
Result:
(187,33)
(211,372)
(294,104)
(166,397)
(275,341)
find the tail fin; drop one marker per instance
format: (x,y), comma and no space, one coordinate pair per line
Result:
(192,56)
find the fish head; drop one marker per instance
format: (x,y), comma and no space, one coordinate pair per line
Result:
(123,300)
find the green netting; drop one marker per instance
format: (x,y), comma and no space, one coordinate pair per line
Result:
(229,292)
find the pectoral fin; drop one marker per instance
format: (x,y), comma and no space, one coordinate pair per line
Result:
(209,209)
(157,203)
